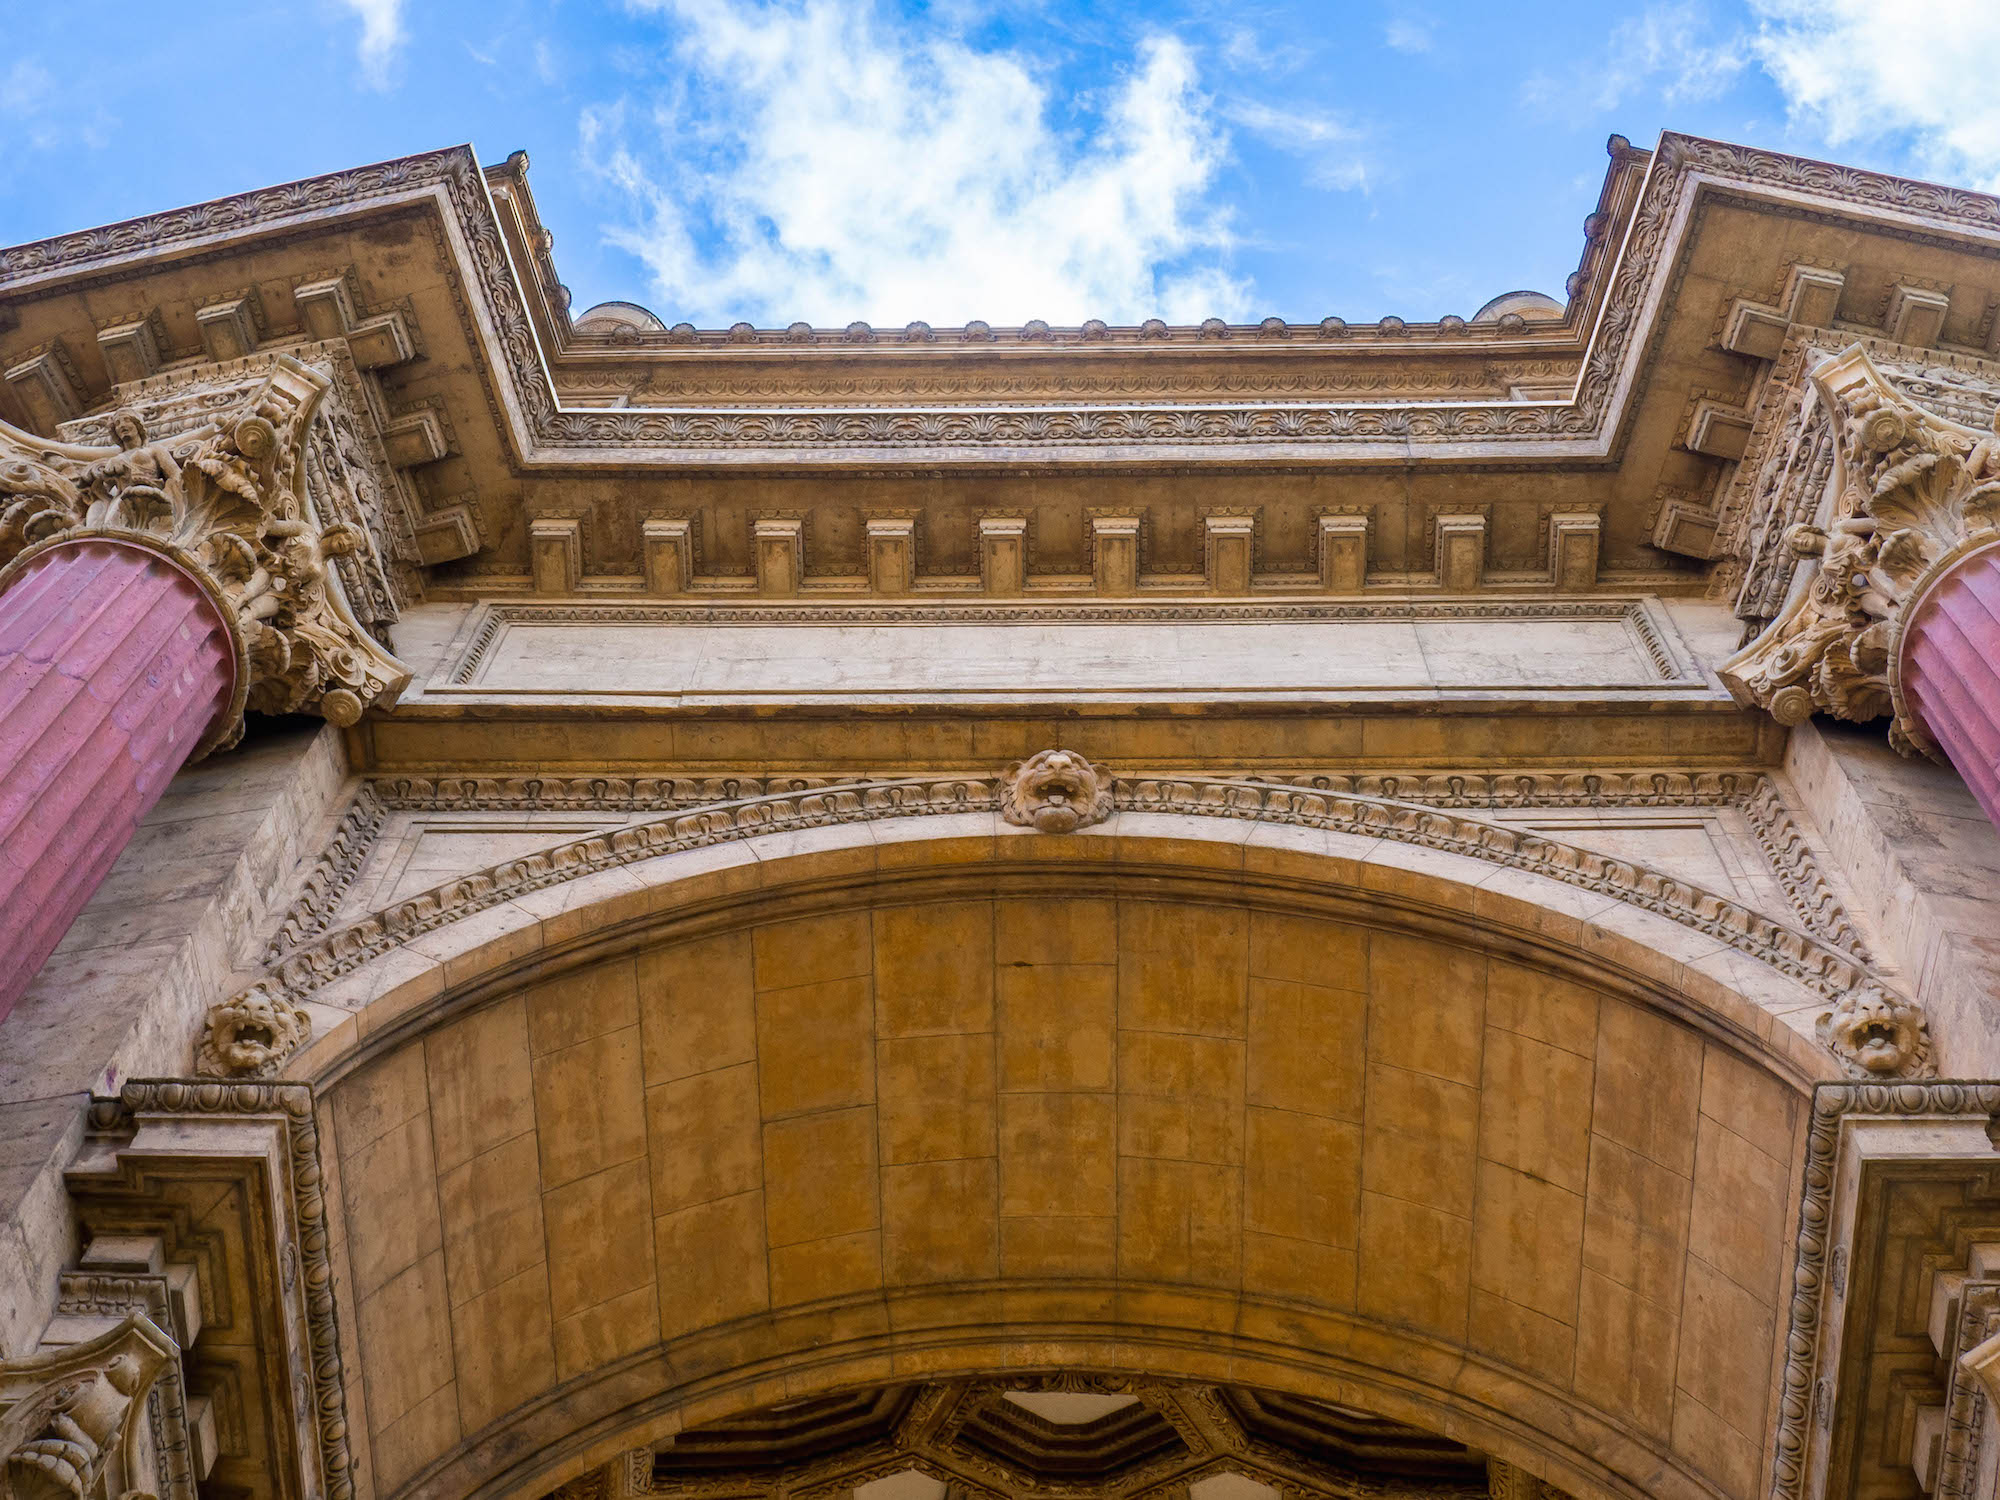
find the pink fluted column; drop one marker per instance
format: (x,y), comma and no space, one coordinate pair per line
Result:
(1951,671)
(113,665)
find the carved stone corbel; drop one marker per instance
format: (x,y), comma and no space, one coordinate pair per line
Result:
(227,502)
(71,1423)
(1913,494)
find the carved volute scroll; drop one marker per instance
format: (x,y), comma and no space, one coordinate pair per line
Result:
(227,502)
(1913,494)
(71,1423)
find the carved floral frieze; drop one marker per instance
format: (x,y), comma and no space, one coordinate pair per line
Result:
(1912,493)
(227,501)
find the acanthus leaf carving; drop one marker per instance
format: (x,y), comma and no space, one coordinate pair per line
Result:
(1912,492)
(227,501)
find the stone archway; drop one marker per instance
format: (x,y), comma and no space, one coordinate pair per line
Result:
(821,1111)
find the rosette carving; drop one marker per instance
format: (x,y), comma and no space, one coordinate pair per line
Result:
(1912,494)
(228,502)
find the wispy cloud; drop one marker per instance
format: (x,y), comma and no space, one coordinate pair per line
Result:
(1860,71)
(1673,49)
(1410,33)
(811,161)
(1333,149)
(47,117)
(382,37)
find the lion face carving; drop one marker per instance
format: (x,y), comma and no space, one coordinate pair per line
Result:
(1057,791)
(252,1035)
(1877,1035)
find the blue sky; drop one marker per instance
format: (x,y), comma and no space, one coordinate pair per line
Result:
(1004,159)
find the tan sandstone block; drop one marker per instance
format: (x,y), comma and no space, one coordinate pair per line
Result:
(1416,1265)
(1274,1266)
(1056,1025)
(584,1004)
(1180,1097)
(406,1341)
(600,1240)
(838,1266)
(1182,968)
(1648,1085)
(940,1222)
(1059,1246)
(1625,1352)
(1541,1005)
(706,1137)
(1521,1337)
(590,1106)
(1418,1144)
(1428,1007)
(934,969)
(1302,1177)
(1058,1155)
(1179,1221)
(1709,1442)
(1527,1241)
(610,1330)
(1725,1348)
(696,1007)
(392,1205)
(1635,1224)
(712,1263)
(1761,1109)
(820,1176)
(502,1348)
(481,1090)
(379,1097)
(1308,950)
(1738,1219)
(1306,1048)
(1534,1109)
(420,1433)
(1081,931)
(816,1046)
(812,949)
(492,1212)
(937,1097)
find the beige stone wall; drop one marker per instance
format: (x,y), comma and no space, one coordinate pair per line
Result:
(969,1133)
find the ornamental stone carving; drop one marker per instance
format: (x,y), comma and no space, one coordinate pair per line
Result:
(227,502)
(1877,1035)
(1057,791)
(71,1423)
(251,1035)
(1912,494)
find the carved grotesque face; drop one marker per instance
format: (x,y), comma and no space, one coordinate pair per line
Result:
(253,1034)
(1873,1032)
(1057,791)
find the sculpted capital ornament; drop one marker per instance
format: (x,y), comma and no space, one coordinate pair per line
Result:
(71,1423)
(1913,494)
(227,503)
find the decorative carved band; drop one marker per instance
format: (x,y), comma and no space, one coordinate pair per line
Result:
(1913,493)
(227,502)
(1872,1030)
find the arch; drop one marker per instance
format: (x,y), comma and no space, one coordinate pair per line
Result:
(1691,1090)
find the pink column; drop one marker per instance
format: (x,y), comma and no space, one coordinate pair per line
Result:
(1951,671)
(113,665)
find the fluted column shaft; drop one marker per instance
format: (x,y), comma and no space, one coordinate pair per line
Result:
(113,665)
(1951,671)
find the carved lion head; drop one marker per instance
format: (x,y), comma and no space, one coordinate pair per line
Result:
(1057,791)
(252,1035)
(1877,1035)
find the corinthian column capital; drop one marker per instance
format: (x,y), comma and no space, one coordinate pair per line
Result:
(227,502)
(1912,495)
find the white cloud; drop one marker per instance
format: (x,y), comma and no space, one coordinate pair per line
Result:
(1331,147)
(1863,71)
(1672,49)
(1412,34)
(382,36)
(812,162)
